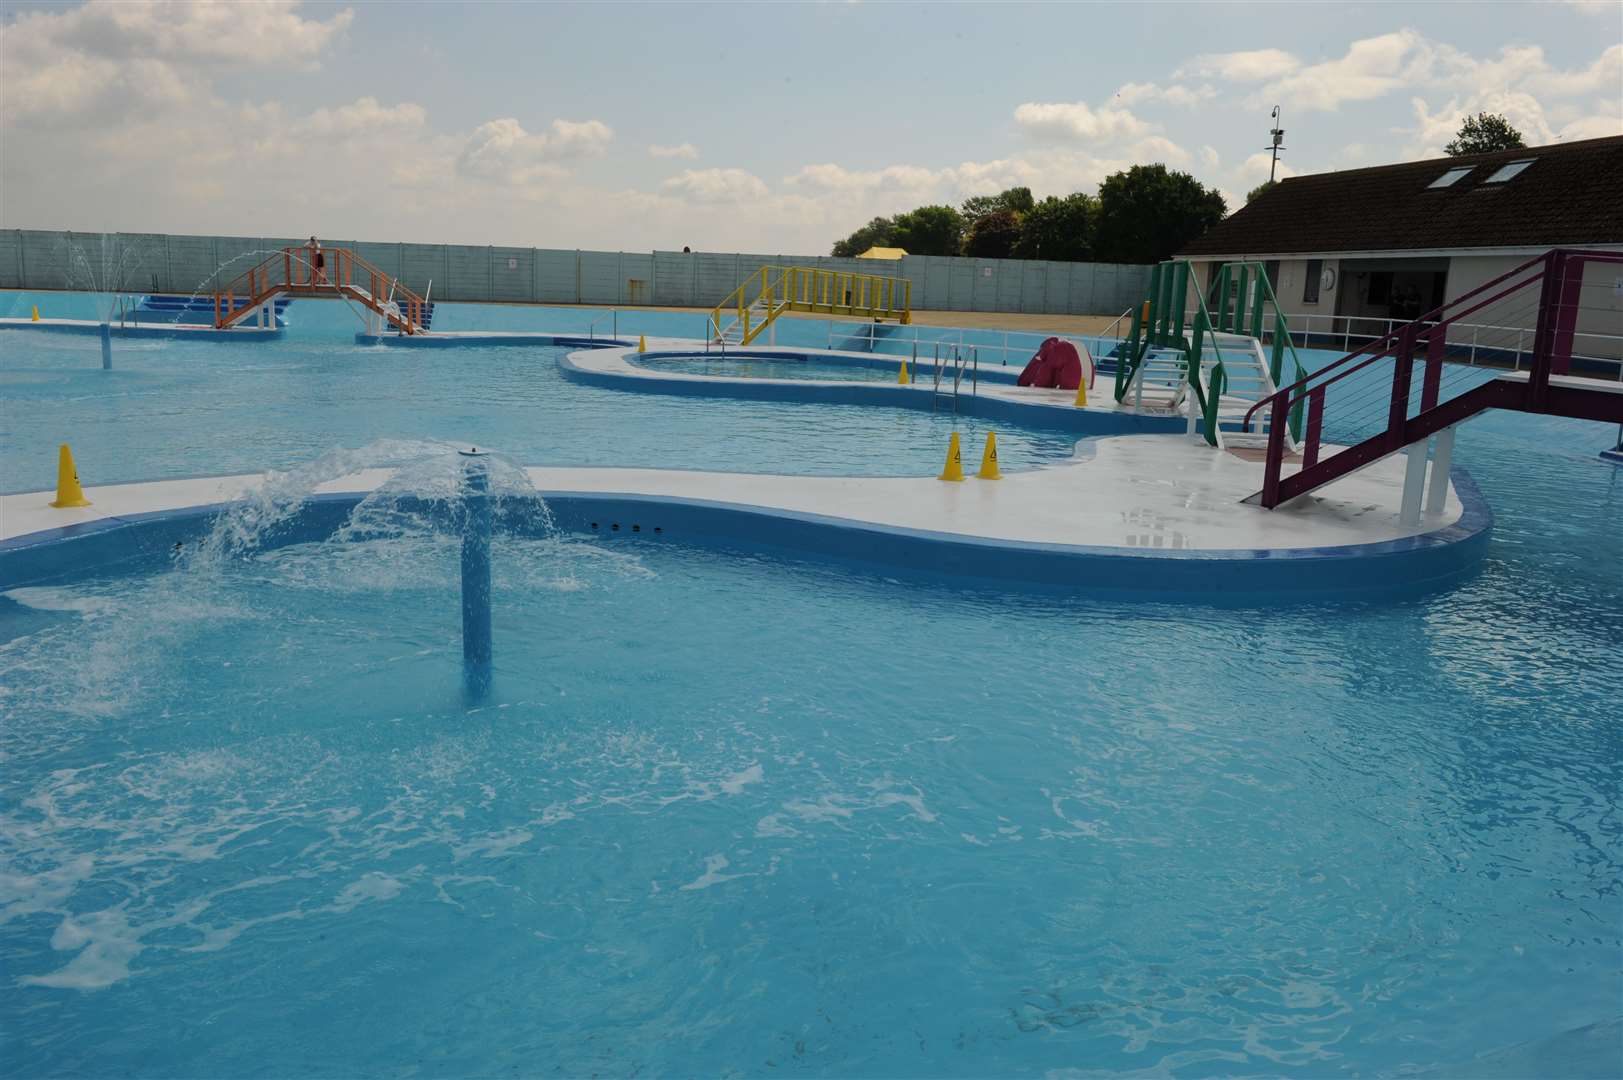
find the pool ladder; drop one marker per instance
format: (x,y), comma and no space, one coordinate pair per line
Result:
(962,361)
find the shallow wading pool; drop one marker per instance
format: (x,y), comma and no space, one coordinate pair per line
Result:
(733,812)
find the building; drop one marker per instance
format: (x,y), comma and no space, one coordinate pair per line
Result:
(1352,253)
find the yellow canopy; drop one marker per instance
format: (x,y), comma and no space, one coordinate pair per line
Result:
(882,253)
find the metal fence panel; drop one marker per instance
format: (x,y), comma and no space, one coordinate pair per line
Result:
(385,257)
(673,278)
(467,272)
(636,277)
(53,259)
(716,275)
(11,259)
(555,276)
(420,266)
(511,273)
(600,279)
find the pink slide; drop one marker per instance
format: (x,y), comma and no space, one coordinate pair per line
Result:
(1057,365)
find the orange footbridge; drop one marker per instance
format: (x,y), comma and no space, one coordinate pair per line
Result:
(345,275)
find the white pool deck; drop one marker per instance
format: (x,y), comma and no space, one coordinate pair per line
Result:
(1133,491)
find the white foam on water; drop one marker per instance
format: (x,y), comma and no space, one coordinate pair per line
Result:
(106,944)
(735,784)
(713,865)
(374,885)
(58,598)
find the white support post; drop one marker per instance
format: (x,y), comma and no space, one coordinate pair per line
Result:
(1414,483)
(1442,461)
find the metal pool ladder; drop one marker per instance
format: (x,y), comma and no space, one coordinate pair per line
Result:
(962,361)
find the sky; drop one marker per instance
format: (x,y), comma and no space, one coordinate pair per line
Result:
(765,128)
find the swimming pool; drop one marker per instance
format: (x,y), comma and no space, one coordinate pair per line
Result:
(728,812)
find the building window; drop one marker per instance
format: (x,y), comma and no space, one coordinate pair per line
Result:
(1508,171)
(1271,269)
(1310,287)
(1452,176)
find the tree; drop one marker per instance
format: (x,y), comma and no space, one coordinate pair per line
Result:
(1483,134)
(1149,213)
(877,233)
(1261,189)
(993,236)
(929,230)
(1060,230)
(1016,200)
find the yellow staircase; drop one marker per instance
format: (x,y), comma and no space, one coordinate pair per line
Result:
(770,291)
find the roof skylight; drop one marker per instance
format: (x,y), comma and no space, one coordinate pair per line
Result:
(1509,171)
(1448,178)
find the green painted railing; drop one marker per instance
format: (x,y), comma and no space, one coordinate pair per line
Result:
(1252,319)
(1245,305)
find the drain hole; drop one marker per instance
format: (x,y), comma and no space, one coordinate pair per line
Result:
(594,524)
(615,526)
(636,528)
(657,529)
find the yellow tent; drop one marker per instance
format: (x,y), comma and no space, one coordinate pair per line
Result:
(882,253)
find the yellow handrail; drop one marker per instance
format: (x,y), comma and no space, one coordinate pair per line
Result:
(804,288)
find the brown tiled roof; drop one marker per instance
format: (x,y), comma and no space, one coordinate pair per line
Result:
(1569,196)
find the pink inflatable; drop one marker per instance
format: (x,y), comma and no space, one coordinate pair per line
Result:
(1057,365)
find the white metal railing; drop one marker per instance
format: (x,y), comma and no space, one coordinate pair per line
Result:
(1366,327)
(915,335)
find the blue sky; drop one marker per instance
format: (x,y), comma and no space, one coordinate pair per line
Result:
(766,128)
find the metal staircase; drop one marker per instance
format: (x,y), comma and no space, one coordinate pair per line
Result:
(291,273)
(751,309)
(1551,284)
(1178,356)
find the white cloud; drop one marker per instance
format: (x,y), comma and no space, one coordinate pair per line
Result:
(1371,68)
(1076,121)
(1209,157)
(93,65)
(1254,170)
(831,177)
(364,115)
(684,150)
(1175,94)
(1253,65)
(502,150)
(716,186)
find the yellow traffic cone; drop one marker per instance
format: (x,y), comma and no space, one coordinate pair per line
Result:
(36,313)
(1082,392)
(642,342)
(954,469)
(68,492)
(903,377)
(989,459)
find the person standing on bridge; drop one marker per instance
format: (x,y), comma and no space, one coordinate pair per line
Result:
(318,262)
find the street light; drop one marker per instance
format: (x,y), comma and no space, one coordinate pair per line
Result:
(1277,145)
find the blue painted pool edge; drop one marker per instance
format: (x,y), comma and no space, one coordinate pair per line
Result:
(453,340)
(916,396)
(147,330)
(1387,569)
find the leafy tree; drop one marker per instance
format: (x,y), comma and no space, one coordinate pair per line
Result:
(993,236)
(877,233)
(929,230)
(1016,200)
(1261,189)
(1060,230)
(1149,212)
(1483,134)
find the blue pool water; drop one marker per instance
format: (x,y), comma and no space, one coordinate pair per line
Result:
(732,814)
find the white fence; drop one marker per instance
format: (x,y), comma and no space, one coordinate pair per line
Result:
(157,262)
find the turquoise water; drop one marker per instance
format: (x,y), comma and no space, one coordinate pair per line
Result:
(731,814)
(189,408)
